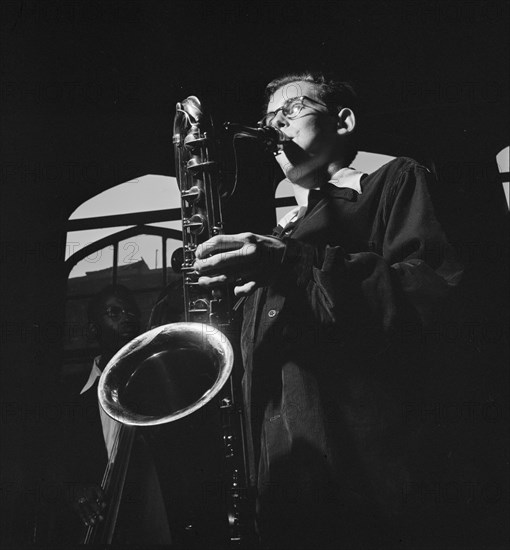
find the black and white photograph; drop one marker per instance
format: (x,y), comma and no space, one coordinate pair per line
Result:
(255,275)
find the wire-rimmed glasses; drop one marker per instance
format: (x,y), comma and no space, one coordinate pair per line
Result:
(290,109)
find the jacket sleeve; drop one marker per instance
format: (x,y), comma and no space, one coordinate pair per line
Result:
(404,280)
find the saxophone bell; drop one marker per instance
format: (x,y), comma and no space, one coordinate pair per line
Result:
(165,374)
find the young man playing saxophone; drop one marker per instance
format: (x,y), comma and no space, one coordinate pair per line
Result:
(328,297)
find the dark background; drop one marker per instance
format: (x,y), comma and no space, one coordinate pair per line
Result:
(88,95)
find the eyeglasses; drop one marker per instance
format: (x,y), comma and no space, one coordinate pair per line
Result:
(291,109)
(115,312)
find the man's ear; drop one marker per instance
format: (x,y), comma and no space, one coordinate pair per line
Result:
(346,121)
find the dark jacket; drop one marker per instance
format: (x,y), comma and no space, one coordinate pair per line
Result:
(329,356)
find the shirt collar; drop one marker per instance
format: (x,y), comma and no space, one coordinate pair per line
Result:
(292,216)
(347,177)
(95,373)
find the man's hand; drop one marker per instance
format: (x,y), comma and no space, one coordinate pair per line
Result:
(90,505)
(247,260)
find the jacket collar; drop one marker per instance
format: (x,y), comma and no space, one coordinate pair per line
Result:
(338,192)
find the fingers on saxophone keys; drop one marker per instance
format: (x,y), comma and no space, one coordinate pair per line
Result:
(232,260)
(208,282)
(234,277)
(207,264)
(211,246)
(220,244)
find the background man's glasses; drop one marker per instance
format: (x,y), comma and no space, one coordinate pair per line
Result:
(291,109)
(115,312)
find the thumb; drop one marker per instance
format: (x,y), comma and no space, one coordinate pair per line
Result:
(246,289)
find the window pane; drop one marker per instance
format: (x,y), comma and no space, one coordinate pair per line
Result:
(138,256)
(150,192)
(76,240)
(97,264)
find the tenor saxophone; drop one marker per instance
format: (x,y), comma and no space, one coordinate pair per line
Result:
(172,371)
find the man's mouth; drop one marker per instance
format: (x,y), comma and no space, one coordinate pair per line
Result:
(293,152)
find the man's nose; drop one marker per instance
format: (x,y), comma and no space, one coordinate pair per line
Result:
(279,120)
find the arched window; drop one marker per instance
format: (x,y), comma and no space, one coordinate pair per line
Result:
(124,235)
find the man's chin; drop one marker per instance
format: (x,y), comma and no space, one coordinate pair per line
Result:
(304,176)
(302,172)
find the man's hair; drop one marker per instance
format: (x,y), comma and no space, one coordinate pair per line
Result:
(97,303)
(335,93)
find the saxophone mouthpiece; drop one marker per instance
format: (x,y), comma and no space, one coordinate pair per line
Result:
(268,135)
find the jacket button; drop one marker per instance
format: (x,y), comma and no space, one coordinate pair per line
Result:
(272,313)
